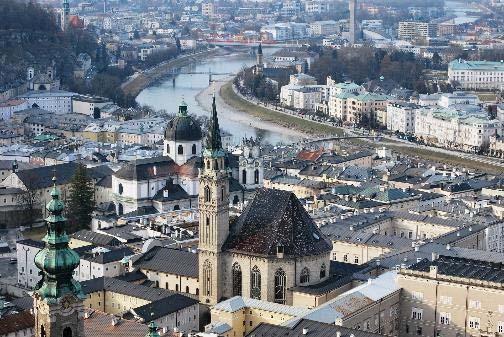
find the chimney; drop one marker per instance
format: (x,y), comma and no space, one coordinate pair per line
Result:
(434,256)
(338,334)
(417,248)
(448,247)
(165,193)
(86,314)
(433,271)
(305,331)
(115,321)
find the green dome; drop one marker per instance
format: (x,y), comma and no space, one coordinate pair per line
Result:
(57,261)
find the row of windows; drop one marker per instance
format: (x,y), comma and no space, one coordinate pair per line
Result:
(180,149)
(448,300)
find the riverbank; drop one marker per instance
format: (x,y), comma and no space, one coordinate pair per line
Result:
(312,128)
(443,156)
(229,112)
(146,78)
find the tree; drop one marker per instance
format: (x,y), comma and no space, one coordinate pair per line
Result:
(81,203)
(30,200)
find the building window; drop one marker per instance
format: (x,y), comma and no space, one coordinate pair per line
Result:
(500,327)
(180,149)
(445,299)
(256,176)
(167,148)
(474,322)
(323,271)
(120,209)
(244,176)
(356,259)
(120,189)
(237,280)
(416,295)
(193,149)
(474,304)
(444,318)
(67,332)
(280,284)
(207,278)
(416,313)
(345,258)
(419,330)
(255,283)
(305,276)
(208,194)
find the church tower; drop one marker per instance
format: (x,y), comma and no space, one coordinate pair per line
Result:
(260,62)
(251,164)
(213,213)
(65,15)
(57,298)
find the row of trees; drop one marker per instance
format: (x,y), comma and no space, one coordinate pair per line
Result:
(367,63)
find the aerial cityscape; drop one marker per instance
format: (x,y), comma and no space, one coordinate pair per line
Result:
(252,168)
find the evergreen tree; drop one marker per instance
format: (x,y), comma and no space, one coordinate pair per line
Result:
(81,202)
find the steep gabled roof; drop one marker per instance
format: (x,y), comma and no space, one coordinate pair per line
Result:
(276,218)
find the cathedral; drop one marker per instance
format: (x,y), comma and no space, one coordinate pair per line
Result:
(272,247)
(170,182)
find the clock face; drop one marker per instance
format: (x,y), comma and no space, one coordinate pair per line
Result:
(65,303)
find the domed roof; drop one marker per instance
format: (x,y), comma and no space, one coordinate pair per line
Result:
(183,127)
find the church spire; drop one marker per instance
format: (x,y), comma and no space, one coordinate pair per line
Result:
(57,261)
(214,142)
(153,330)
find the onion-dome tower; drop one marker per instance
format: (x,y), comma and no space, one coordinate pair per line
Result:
(58,297)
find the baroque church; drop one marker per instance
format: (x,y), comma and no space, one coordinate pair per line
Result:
(272,247)
(170,182)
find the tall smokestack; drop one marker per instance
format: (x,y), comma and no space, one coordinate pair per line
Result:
(353,24)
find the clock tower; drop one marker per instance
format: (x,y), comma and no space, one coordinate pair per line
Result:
(214,213)
(58,297)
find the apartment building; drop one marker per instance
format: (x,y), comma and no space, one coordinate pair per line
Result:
(410,30)
(456,128)
(401,117)
(476,75)
(452,297)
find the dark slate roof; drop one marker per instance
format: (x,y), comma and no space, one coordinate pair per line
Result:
(96,238)
(32,243)
(315,329)
(126,288)
(276,218)
(41,177)
(140,211)
(234,185)
(169,260)
(149,168)
(163,307)
(465,268)
(175,192)
(23,303)
(107,257)
(183,128)
(134,276)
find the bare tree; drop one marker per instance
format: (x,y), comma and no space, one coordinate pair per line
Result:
(30,199)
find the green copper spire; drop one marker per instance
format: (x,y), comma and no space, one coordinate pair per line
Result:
(213,145)
(57,261)
(153,330)
(182,110)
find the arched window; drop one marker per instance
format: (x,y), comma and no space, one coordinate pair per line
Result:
(120,209)
(222,194)
(216,165)
(305,275)
(194,149)
(120,189)
(236,200)
(176,208)
(256,176)
(280,281)
(237,280)
(322,271)
(187,289)
(208,165)
(180,149)
(255,283)
(244,176)
(208,194)
(67,332)
(207,278)
(42,331)
(167,148)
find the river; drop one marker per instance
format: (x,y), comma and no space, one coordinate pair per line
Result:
(165,95)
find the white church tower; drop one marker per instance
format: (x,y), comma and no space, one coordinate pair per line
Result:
(251,168)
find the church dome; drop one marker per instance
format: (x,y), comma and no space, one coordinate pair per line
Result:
(183,128)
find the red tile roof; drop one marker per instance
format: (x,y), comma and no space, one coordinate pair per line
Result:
(16,322)
(309,155)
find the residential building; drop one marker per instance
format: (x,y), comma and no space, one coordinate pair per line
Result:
(450,296)
(401,117)
(411,30)
(476,75)
(57,101)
